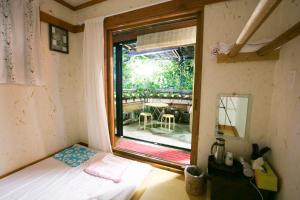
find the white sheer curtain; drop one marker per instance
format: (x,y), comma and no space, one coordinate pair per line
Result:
(19,42)
(93,61)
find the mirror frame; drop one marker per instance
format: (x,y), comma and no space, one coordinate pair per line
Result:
(246,138)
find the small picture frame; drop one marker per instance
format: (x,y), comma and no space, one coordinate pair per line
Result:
(58,39)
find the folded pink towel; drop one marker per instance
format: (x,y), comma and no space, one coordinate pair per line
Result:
(109,167)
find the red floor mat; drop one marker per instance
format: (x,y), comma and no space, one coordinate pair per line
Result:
(162,152)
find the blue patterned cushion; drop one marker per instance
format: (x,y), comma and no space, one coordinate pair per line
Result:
(75,155)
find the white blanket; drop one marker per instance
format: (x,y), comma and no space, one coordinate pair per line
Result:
(51,179)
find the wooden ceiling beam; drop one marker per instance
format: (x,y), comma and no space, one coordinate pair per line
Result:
(168,9)
(260,14)
(291,33)
(45,17)
(78,28)
(93,2)
(87,4)
(155,13)
(81,6)
(132,35)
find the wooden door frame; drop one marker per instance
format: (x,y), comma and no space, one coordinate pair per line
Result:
(135,19)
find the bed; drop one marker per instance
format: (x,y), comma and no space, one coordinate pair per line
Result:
(51,179)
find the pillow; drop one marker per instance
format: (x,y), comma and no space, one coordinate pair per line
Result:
(75,155)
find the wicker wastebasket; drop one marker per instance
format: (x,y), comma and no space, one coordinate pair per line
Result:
(194,180)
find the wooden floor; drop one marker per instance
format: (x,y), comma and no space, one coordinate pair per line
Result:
(164,185)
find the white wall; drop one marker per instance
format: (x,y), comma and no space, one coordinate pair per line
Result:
(222,23)
(37,121)
(274,107)
(58,108)
(284,135)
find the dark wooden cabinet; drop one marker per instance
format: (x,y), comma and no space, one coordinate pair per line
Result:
(231,184)
(235,188)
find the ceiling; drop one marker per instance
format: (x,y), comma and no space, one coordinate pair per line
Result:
(76,2)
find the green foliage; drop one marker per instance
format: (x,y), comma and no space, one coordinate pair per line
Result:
(146,75)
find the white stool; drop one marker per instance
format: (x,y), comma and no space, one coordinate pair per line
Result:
(145,115)
(167,121)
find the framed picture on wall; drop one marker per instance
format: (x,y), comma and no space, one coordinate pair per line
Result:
(58,39)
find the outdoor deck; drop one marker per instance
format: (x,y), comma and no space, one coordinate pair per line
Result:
(180,136)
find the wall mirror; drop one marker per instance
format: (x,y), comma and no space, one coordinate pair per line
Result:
(232,114)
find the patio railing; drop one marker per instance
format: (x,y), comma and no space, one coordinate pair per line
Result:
(134,94)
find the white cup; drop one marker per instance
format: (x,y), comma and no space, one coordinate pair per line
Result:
(229,159)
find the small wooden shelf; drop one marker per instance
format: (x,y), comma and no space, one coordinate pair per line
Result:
(246,57)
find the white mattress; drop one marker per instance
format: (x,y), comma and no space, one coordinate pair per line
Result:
(51,179)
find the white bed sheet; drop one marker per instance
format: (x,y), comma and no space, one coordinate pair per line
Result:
(51,179)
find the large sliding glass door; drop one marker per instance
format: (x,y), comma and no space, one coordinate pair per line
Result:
(153,94)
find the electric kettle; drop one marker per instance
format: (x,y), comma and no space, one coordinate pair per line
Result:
(218,150)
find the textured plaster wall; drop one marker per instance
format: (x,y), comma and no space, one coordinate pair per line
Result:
(284,134)
(274,88)
(285,120)
(37,121)
(222,23)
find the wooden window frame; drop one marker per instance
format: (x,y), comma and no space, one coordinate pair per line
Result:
(144,17)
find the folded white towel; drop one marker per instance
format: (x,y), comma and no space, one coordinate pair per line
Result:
(109,167)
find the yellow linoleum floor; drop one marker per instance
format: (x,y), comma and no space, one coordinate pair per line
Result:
(166,185)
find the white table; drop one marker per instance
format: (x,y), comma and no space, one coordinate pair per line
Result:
(158,106)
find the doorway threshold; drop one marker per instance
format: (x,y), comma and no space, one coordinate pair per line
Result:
(152,152)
